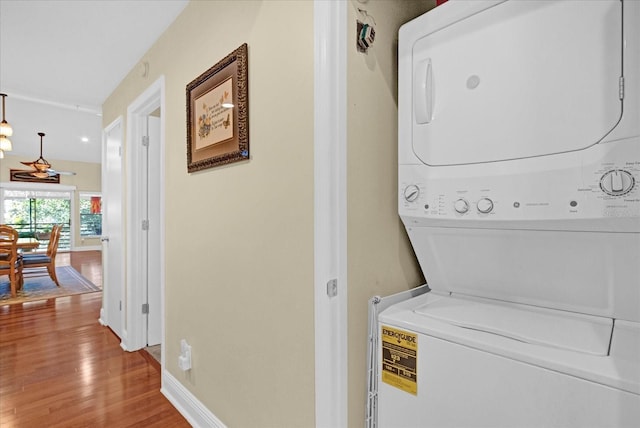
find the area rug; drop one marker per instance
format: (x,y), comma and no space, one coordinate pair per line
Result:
(41,286)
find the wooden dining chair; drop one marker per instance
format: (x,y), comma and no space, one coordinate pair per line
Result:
(48,260)
(10,260)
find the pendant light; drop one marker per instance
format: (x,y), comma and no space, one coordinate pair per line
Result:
(5,131)
(40,165)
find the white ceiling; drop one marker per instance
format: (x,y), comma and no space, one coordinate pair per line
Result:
(61,59)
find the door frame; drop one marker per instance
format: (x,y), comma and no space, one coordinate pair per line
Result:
(330,212)
(150,100)
(107,283)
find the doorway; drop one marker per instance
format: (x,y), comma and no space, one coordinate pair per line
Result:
(145,219)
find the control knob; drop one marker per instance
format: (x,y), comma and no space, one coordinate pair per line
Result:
(485,205)
(617,182)
(461,206)
(411,193)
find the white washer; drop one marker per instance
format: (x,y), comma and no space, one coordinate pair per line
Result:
(519,171)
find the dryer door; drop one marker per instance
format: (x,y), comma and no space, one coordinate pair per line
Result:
(518,80)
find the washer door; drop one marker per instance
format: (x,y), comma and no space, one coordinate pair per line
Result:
(517,80)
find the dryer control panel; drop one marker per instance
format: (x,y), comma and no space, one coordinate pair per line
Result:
(617,182)
(601,183)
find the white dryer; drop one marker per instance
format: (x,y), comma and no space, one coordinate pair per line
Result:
(519,171)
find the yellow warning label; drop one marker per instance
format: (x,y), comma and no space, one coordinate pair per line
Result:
(399,359)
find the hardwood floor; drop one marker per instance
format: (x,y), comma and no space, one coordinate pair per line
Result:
(88,263)
(60,368)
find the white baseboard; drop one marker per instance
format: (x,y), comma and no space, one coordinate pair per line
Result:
(101,319)
(187,404)
(88,248)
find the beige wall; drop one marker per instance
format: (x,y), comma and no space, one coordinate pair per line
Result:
(239,239)
(380,258)
(87,179)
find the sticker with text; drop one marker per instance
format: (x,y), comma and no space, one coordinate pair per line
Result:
(399,359)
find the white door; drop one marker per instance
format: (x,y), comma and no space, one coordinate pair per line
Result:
(112,245)
(154,319)
(145,270)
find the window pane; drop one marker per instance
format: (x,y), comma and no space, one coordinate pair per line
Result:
(90,215)
(34,212)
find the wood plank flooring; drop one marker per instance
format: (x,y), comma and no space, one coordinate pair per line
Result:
(88,263)
(60,368)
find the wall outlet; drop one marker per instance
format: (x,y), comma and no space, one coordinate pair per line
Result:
(184,360)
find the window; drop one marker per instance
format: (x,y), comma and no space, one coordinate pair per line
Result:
(90,214)
(34,212)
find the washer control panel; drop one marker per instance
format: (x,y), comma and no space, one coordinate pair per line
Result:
(411,193)
(461,206)
(485,205)
(600,184)
(617,182)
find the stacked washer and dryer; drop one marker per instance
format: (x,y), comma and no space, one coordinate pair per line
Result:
(519,171)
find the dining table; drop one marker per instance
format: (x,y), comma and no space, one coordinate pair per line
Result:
(27,244)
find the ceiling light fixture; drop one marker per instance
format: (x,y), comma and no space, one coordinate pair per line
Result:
(40,165)
(41,168)
(5,144)
(5,131)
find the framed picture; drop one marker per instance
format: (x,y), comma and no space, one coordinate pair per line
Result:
(26,177)
(218,114)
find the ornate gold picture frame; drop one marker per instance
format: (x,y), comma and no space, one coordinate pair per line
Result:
(218,114)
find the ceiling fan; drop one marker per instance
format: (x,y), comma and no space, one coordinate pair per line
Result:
(41,167)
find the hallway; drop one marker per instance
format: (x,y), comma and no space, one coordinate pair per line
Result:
(60,368)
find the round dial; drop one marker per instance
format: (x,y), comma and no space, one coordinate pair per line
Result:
(617,182)
(461,206)
(411,193)
(485,205)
